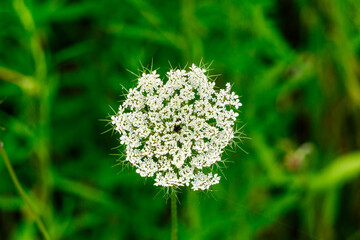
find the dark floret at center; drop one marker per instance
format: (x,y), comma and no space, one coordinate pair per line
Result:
(177,128)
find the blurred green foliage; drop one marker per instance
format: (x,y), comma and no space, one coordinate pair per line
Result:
(295,63)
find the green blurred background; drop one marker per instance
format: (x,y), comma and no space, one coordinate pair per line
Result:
(294,62)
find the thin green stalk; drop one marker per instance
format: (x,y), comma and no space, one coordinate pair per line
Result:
(23,194)
(174,218)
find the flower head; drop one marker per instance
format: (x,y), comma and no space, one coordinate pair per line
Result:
(177,131)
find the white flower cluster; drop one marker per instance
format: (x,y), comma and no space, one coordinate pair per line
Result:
(177,130)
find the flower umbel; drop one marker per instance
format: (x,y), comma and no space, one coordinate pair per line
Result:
(177,130)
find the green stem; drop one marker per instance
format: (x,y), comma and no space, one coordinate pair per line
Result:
(174,220)
(193,213)
(23,194)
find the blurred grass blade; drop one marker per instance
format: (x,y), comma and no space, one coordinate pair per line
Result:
(340,171)
(268,160)
(72,52)
(25,15)
(33,208)
(26,83)
(10,203)
(83,190)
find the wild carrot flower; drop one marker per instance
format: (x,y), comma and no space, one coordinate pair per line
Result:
(177,131)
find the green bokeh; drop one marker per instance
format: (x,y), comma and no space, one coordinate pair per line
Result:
(295,63)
